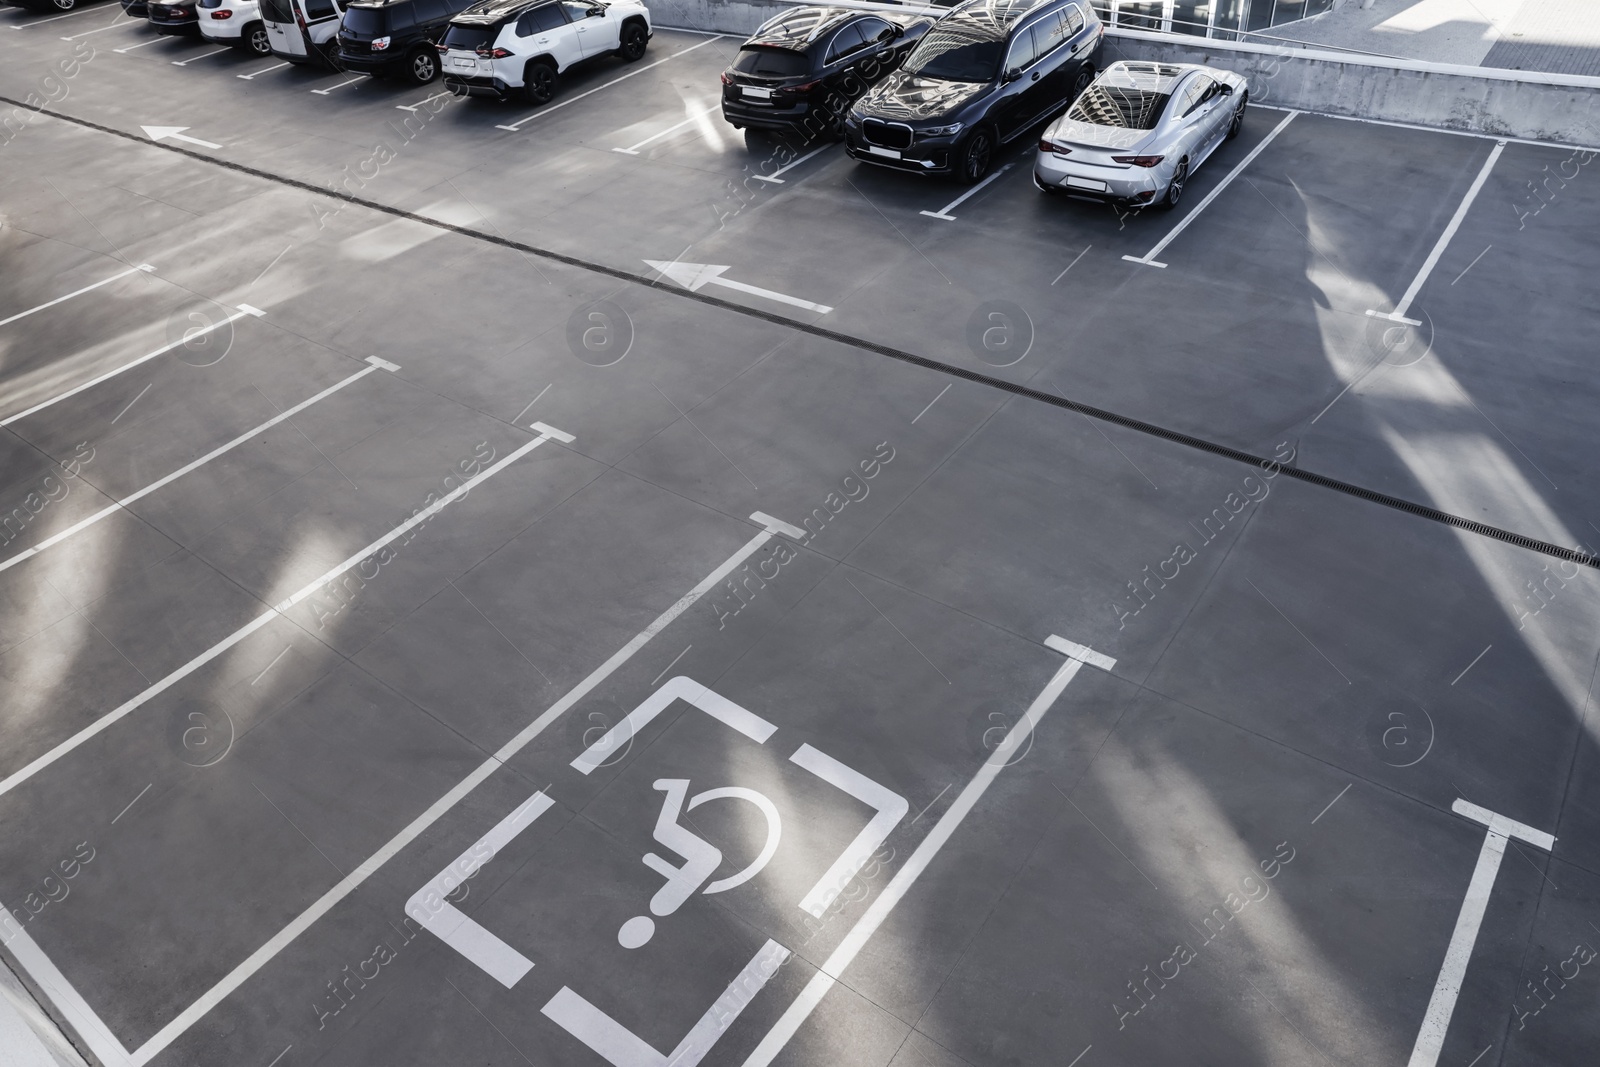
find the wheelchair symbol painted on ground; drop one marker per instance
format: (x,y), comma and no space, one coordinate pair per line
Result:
(691,870)
(701,857)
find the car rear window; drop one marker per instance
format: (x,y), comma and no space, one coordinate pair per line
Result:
(366,20)
(1116,105)
(771,62)
(470,38)
(955,57)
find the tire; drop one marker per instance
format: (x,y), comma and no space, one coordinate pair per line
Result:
(1238,116)
(1174,193)
(330,54)
(63,5)
(422,66)
(635,38)
(253,39)
(1085,76)
(975,156)
(539,82)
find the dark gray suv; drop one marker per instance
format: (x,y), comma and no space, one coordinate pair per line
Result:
(985,75)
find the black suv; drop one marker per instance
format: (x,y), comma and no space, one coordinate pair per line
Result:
(983,76)
(179,19)
(395,36)
(800,71)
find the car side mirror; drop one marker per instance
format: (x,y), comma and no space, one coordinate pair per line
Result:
(1012,75)
(594,12)
(1223,89)
(896,31)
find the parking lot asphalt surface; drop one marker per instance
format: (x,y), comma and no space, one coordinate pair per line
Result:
(345,551)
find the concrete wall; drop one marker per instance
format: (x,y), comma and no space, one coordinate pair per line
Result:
(1508,103)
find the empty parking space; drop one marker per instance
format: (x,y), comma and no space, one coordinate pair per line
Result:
(442,652)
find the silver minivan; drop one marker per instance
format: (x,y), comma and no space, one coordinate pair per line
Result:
(304,31)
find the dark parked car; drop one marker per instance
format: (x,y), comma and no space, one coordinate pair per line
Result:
(183,18)
(396,36)
(45,5)
(801,71)
(985,75)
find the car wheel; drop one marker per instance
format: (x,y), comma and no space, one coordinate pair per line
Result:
(63,5)
(255,40)
(422,66)
(330,54)
(975,156)
(634,41)
(1238,116)
(1174,192)
(539,82)
(1082,81)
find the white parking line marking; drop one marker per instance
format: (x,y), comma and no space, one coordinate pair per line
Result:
(114,507)
(431,907)
(944,212)
(102,29)
(427,100)
(276,611)
(283,938)
(633,150)
(1149,258)
(1400,309)
(825,978)
(143,44)
(52,18)
(787,167)
(1436,1023)
(341,85)
(244,309)
(202,55)
(143,267)
(888,807)
(695,276)
(515,126)
(681,688)
(265,70)
(67,1000)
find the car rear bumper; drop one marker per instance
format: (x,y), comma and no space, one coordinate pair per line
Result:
(368,62)
(1051,172)
(222,31)
(463,85)
(177,27)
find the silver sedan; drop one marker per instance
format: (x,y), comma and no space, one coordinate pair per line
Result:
(1139,131)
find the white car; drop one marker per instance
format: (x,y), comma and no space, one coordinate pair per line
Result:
(517,48)
(1139,131)
(235,22)
(304,31)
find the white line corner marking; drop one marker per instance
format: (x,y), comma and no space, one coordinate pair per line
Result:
(878,911)
(1436,1022)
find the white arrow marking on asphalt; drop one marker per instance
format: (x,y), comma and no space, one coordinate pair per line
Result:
(157,133)
(694,276)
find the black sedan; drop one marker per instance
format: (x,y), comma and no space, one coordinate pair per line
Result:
(179,19)
(985,75)
(801,70)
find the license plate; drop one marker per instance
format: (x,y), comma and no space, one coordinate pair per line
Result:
(887,153)
(462,64)
(756,92)
(1086,183)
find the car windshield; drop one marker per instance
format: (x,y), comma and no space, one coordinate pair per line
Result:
(1119,105)
(770,62)
(364,20)
(470,38)
(955,57)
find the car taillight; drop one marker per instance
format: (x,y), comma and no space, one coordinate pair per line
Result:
(806,88)
(1048,145)
(727,79)
(1139,161)
(380,43)
(441,48)
(224,14)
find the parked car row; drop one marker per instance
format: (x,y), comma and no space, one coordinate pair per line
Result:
(944,96)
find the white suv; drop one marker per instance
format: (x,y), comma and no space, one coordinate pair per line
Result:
(235,22)
(516,48)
